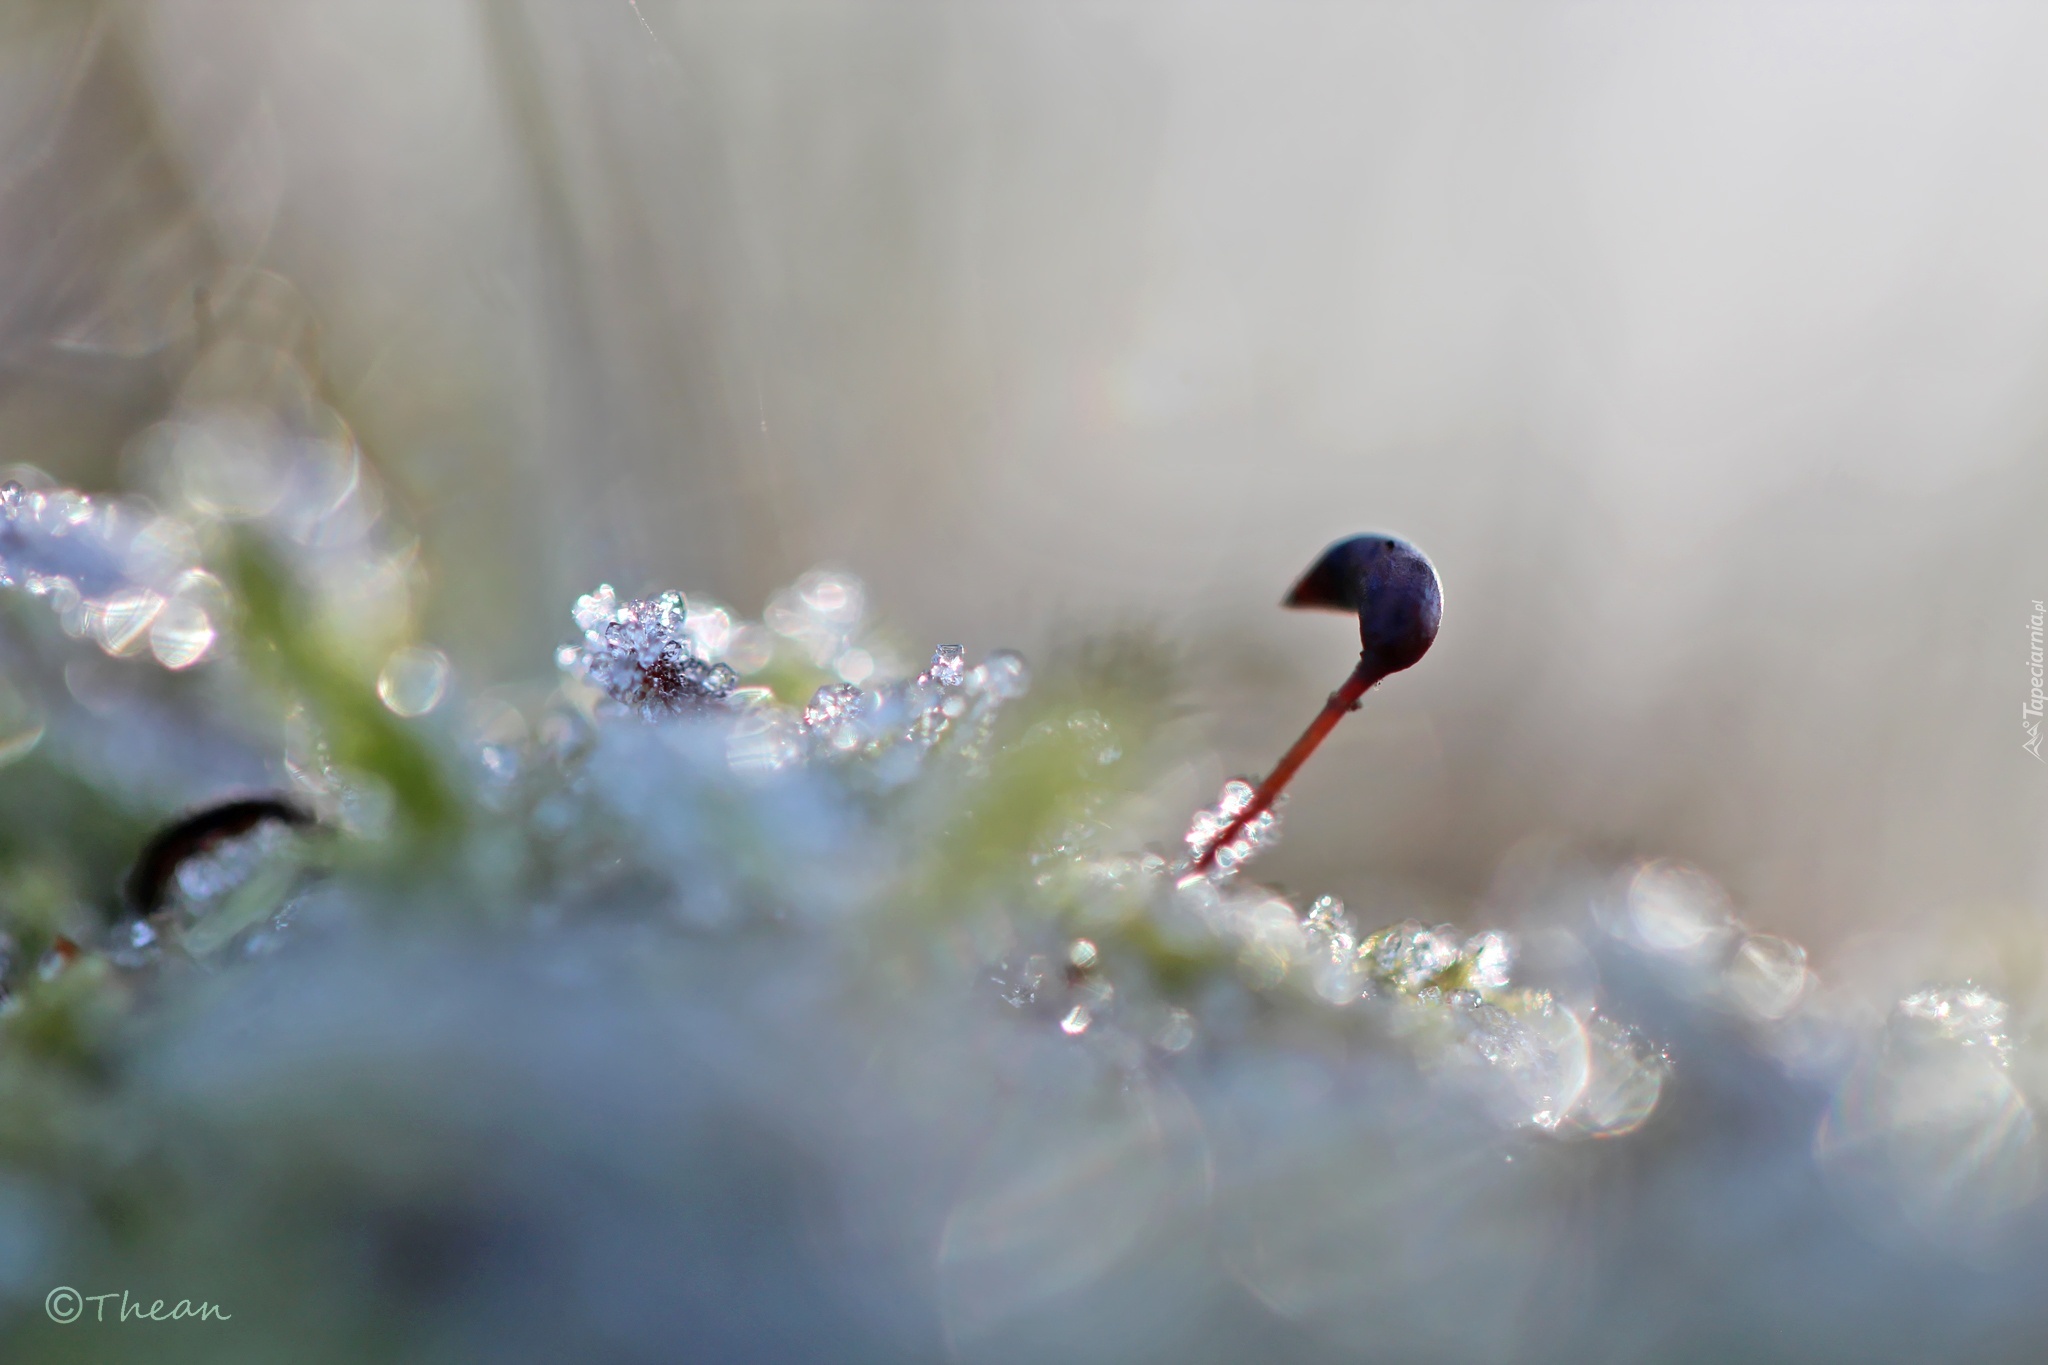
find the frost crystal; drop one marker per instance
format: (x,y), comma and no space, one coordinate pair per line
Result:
(1965,1016)
(1411,956)
(949,666)
(121,577)
(833,718)
(640,654)
(1254,835)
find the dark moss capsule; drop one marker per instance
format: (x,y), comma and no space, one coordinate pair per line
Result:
(1392,587)
(187,837)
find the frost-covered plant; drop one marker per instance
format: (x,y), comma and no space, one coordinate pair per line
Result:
(752,992)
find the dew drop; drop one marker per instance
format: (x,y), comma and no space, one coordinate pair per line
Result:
(182,634)
(413,680)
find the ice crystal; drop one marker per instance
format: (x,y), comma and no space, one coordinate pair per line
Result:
(1410,956)
(116,574)
(640,654)
(1965,1016)
(949,667)
(1255,834)
(833,717)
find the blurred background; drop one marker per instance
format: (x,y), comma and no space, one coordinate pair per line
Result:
(1701,346)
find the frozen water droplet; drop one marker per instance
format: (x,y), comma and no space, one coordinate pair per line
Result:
(593,609)
(1765,976)
(1255,834)
(949,665)
(1003,676)
(1409,955)
(1625,1079)
(1930,1133)
(1965,1016)
(1676,910)
(1540,1051)
(831,596)
(854,665)
(182,634)
(10,499)
(751,648)
(1076,1021)
(831,703)
(1488,957)
(413,681)
(121,621)
(1176,1033)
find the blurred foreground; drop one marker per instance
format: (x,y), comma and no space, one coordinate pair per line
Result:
(1698,349)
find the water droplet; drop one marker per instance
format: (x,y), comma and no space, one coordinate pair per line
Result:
(413,680)
(854,666)
(229,463)
(1676,910)
(1003,675)
(1625,1079)
(751,648)
(182,634)
(121,621)
(1176,1033)
(1765,976)
(593,609)
(1929,1135)
(1538,1048)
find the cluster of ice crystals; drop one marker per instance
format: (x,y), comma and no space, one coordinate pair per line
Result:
(640,654)
(661,656)
(1256,833)
(833,717)
(1965,1016)
(1412,957)
(118,575)
(1539,1049)
(1930,1131)
(949,666)
(1069,987)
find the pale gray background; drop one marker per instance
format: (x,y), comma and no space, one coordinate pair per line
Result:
(1701,345)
